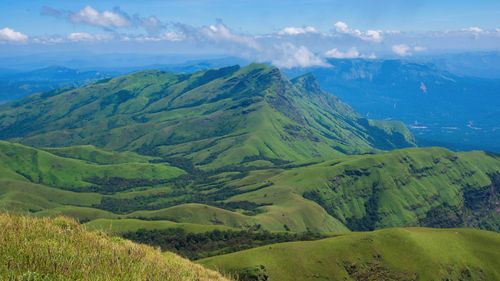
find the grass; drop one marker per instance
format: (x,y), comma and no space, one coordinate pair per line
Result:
(61,249)
(389,254)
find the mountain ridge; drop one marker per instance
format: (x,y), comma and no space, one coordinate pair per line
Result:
(231,113)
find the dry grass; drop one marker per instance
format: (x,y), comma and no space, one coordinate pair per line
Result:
(37,249)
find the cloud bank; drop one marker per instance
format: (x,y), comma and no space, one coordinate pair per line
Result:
(287,47)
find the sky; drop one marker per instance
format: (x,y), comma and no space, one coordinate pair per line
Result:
(285,33)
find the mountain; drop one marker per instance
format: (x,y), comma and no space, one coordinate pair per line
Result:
(214,118)
(391,254)
(61,249)
(18,84)
(441,108)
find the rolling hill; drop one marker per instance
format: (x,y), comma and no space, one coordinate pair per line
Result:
(390,254)
(61,249)
(252,115)
(426,187)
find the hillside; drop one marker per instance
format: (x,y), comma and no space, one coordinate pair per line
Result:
(392,254)
(252,115)
(417,186)
(61,249)
(37,166)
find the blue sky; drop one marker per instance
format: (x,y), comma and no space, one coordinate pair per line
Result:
(287,33)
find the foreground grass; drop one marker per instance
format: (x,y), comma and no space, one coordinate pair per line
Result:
(61,249)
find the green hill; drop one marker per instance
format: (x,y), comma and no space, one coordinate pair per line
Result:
(252,115)
(61,249)
(23,163)
(391,254)
(410,187)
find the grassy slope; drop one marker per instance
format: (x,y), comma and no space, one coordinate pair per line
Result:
(24,163)
(214,118)
(390,254)
(397,188)
(61,249)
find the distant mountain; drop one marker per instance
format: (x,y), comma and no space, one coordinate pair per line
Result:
(18,84)
(442,108)
(219,117)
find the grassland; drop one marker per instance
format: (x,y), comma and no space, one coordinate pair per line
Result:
(390,254)
(61,249)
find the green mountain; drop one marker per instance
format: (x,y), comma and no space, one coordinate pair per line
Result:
(390,254)
(252,115)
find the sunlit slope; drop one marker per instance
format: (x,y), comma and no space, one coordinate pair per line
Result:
(409,187)
(213,118)
(61,249)
(22,163)
(391,254)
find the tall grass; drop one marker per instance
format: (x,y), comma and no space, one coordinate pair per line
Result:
(37,249)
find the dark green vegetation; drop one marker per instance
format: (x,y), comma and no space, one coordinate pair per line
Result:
(250,116)
(391,254)
(216,242)
(223,160)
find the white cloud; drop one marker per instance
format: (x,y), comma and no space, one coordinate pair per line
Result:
(297,30)
(220,33)
(370,35)
(349,54)
(83,37)
(473,29)
(341,27)
(173,36)
(402,50)
(373,35)
(10,35)
(167,36)
(289,56)
(91,16)
(48,40)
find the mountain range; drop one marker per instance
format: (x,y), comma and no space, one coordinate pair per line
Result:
(213,118)
(220,165)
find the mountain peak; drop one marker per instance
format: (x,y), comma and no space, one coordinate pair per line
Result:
(307,83)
